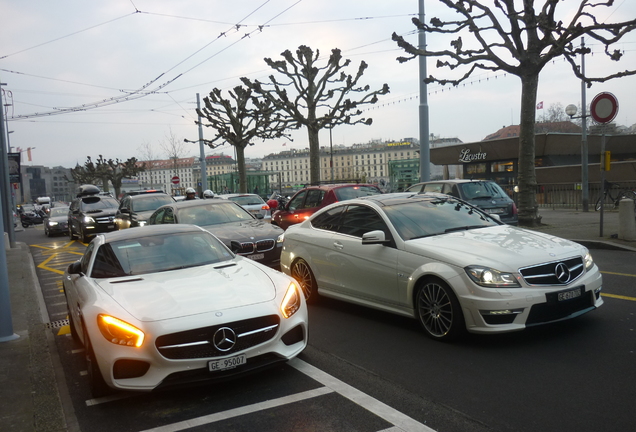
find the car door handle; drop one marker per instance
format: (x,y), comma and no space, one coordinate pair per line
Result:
(338,245)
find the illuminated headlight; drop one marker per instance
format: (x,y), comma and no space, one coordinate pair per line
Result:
(589,262)
(291,301)
(119,332)
(89,220)
(491,278)
(53,223)
(280,238)
(142,223)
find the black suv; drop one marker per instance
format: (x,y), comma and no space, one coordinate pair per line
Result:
(136,207)
(91,213)
(485,194)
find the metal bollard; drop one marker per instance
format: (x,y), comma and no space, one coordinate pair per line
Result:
(626,220)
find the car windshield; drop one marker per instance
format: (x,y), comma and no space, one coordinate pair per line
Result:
(247,200)
(350,192)
(58,211)
(213,214)
(150,202)
(98,203)
(481,190)
(158,253)
(429,217)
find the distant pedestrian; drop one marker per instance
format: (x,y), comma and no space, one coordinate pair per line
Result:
(225,191)
(256,190)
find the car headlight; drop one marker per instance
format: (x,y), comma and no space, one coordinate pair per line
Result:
(52,223)
(280,238)
(119,332)
(89,220)
(142,222)
(291,301)
(491,278)
(589,262)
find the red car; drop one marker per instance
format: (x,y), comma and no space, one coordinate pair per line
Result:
(309,200)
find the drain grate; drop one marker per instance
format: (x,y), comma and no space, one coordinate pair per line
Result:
(57,324)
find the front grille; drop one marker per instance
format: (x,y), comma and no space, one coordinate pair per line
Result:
(259,246)
(105,219)
(198,343)
(554,273)
(554,311)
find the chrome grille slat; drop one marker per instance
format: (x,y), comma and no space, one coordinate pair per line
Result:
(552,273)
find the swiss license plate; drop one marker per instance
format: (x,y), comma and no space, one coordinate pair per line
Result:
(226,363)
(111,226)
(569,294)
(495,211)
(256,256)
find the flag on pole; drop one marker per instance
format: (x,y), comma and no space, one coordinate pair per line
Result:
(540,105)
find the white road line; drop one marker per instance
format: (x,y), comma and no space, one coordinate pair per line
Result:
(200,421)
(393,416)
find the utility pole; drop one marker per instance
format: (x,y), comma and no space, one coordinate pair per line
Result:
(425,156)
(204,172)
(585,190)
(5,185)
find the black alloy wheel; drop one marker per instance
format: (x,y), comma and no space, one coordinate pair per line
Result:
(305,277)
(439,311)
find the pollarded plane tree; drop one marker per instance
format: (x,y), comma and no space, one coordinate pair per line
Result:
(516,37)
(240,119)
(320,97)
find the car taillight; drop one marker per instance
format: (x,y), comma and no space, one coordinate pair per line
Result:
(265,207)
(514,209)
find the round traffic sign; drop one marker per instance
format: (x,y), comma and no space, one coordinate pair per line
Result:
(175,180)
(604,107)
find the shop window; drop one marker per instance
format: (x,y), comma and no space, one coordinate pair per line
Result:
(507,166)
(479,168)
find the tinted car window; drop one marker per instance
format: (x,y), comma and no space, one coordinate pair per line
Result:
(425,218)
(297,201)
(150,202)
(483,190)
(328,220)
(314,198)
(350,192)
(98,203)
(358,220)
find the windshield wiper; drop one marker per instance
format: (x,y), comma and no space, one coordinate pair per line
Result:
(464,228)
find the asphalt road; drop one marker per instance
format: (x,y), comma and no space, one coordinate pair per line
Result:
(366,370)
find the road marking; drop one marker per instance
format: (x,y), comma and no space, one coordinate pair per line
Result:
(618,274)
(618,296)
(380,409)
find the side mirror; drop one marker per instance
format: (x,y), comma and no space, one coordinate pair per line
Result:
(75,268)
(374,237)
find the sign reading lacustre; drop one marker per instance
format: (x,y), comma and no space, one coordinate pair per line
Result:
(466,156)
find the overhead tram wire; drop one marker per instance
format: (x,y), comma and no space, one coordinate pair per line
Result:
(139,93)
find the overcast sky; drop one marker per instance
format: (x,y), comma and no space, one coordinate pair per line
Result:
(70,55)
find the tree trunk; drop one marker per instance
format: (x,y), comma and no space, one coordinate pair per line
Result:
(528,208)
(314,154)
(240,160)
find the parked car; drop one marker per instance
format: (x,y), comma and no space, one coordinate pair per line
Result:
(441,261)
(135,208)
(56,221)
(309,200)
(485,194)
(171,305)
(90,213)
(253,203)
(232,224)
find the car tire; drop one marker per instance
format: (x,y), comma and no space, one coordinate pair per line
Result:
(46,231)
(83,236)
(71,324)
(98,386)
(70,232)
(305,277)
(439,311)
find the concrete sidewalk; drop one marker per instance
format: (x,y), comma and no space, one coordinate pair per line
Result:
(32,388)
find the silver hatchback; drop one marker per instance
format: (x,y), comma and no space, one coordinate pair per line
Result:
(252,203)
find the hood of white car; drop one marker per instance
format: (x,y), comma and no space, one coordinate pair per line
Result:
(191,291)
(503,247)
